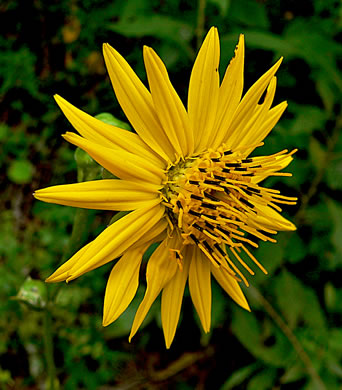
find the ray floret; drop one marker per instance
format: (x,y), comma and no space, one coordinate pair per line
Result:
(188,180)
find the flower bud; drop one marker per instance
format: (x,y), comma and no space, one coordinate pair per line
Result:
(33,293)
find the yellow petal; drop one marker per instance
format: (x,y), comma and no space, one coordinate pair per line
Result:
(273,220)
(114,240)
(270,121)
(204,90)
(169,108)
(200,287)
(160,269)
(230,93)
(248,104)
(171,302)
(122,164)
(245,133)
(136,102)
(122,284)
(157,234)
(230,285)
(282,162)
(101,194)
(105,134)
(62,272)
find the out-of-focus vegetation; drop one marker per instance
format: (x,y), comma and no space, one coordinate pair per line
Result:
(293,337)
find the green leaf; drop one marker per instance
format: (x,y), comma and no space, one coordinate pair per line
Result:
(335,369)
(330,296)
(222,5)
(327,91)
(6,378)
(158,26)
(249,12)
(18,67)
(107,175)
(4,131)
(296,250)
(72,296)
(299,40)
(333,174)
(270,255)
(87,168)
(301,170)
(294,373)
(263,380)
(316,216)
(269,41)
(252,336)
(169,55)
(335,340)
(315,47)
(110,119)
(317,153)
(335,211)
(299,303)
(83,159)
(239,376)
(132,8)
(333,298)
(20,171)
(307,119)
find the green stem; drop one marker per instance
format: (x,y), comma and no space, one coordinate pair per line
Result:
(331,144)
(75,242)
(186,360)
(77,235)
(87,170)
(200,22)
(290,336)
(48,349)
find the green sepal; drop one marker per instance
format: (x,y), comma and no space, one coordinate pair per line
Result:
(110,119)
(87,168)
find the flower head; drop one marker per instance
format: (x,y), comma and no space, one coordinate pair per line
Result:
(187,179)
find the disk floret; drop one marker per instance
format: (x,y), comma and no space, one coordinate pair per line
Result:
(214,202)
(184,180)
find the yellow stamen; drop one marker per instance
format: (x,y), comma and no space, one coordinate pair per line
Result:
(212,201)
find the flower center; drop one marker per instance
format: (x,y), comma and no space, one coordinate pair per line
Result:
(214,202)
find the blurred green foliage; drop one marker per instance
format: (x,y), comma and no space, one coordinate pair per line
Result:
(293,337)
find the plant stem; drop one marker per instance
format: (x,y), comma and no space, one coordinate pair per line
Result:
(48,349)
(200,22)
(184,361)
(87,170)
(331,143)
(79,228)
(290,336)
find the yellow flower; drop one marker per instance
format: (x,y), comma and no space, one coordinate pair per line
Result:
(186,177)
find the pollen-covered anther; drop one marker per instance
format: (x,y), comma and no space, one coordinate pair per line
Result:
(189,184)
(214,203)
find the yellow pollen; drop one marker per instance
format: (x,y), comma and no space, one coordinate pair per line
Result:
(213,203)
